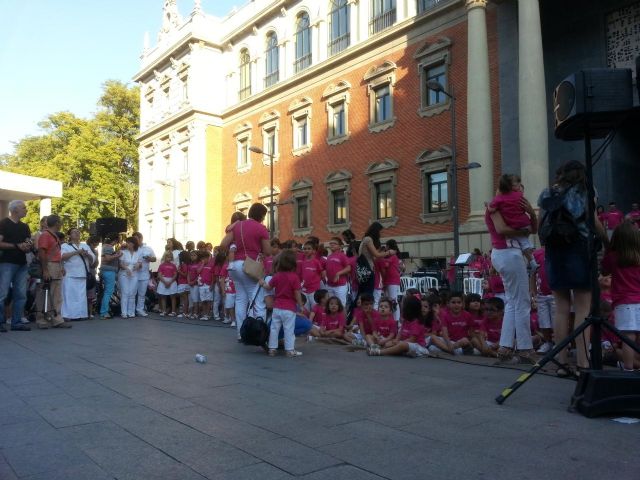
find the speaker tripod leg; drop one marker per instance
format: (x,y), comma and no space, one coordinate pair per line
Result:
(549,357)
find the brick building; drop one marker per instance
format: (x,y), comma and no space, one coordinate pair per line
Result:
(336,92)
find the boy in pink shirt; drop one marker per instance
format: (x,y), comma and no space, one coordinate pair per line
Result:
(456,324)
(509,203)
(337,270)
(311,273)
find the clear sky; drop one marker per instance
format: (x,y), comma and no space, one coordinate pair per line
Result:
(55,54)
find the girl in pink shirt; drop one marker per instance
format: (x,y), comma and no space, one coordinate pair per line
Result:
(410,339)
(167,273)
(623,262)
(229,289)
(194,288)
(391,275)
(287,297)
(338,270)
(311,273)
(332,323)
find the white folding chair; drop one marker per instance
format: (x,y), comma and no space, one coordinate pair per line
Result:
(472,285)
(407,283)
(432,282)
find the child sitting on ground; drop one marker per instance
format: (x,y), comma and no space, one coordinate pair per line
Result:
(365,318)
(456,323)
(385,327)
(410,339)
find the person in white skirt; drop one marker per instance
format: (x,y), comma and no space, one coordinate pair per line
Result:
(76,258)
(130,264)
(167,285)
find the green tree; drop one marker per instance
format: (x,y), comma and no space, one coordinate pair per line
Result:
(96,160)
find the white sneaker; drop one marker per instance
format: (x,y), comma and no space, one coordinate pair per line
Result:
(311,339)
(180,316)
(477,352)
(233,324)
(162,314)
(24,320)
(204,318)
(227,321)
(545,347)
(457,351)
(141,313)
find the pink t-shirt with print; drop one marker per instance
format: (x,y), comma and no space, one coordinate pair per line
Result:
(413,329)
(285,285)
(336,261)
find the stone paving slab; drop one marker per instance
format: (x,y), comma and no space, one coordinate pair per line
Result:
(123,399)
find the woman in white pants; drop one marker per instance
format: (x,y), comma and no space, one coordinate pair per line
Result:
(130,264)
(510,264)
(251,239)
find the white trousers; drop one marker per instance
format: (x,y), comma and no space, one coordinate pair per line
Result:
(246,288)
(141,291)
(393,292)
(340,292)
(287,320)
(516,323)
(128,288)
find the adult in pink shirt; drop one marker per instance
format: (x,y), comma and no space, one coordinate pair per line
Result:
(338,269)
(251,238)
(509,263)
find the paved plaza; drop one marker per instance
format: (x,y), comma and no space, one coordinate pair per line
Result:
(124,399)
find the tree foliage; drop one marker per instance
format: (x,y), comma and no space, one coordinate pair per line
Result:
(96,160)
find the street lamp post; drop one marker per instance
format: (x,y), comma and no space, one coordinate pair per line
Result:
(453,173)
(259,151)
(171,185)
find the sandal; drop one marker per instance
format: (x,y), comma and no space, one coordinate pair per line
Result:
(272,352)
(373,352)
(565,371)
(293,353)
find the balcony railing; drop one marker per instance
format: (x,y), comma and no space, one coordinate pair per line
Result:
(244,92)
(425,5)
(338,44)
(271,79)
(302,63)
(382,21)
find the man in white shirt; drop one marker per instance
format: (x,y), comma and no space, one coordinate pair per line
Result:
(147,256)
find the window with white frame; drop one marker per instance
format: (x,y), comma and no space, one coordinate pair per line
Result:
(242,135)
(433,65)
(380,85)
(382,184)
(434,171)
(301,191)
(338,190)
(302,43)
(300,111)
(383,15)
(270,124)
(245,74)
(339,36)
(337,99)
(242,202)
(272,60)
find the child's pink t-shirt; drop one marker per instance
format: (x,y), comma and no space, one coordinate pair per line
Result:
(361,319)
(478,322)
(614,218)
(318,314)
(167,269)
(193,273)
(334,321)
(206,275)
(183,271)
(229,287)
(457,325)
(310,273)
(493,331)
(252,233)
(392,273)
(385,326)
(625,281)
(336,261)
(413,329)
(509,206)
(285,285)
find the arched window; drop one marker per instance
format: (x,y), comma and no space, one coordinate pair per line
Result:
(245,74)
(339,37)
(271,60)
(303,42)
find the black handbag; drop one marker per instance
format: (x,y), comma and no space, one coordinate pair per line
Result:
(254,330)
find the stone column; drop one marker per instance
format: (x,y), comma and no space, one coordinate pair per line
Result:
(532,101)
(363,20)
(479,122)
(45,207)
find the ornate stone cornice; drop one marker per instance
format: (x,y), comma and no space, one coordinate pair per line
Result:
(470,4)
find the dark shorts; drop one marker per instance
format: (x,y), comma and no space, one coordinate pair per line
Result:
(569,268)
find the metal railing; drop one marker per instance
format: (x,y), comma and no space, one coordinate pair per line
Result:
(271,79)
(338,44)
(425,5)
(302,63)
(382,21)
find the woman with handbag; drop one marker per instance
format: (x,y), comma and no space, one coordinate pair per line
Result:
(368,252)
(76,259)
(251,239)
